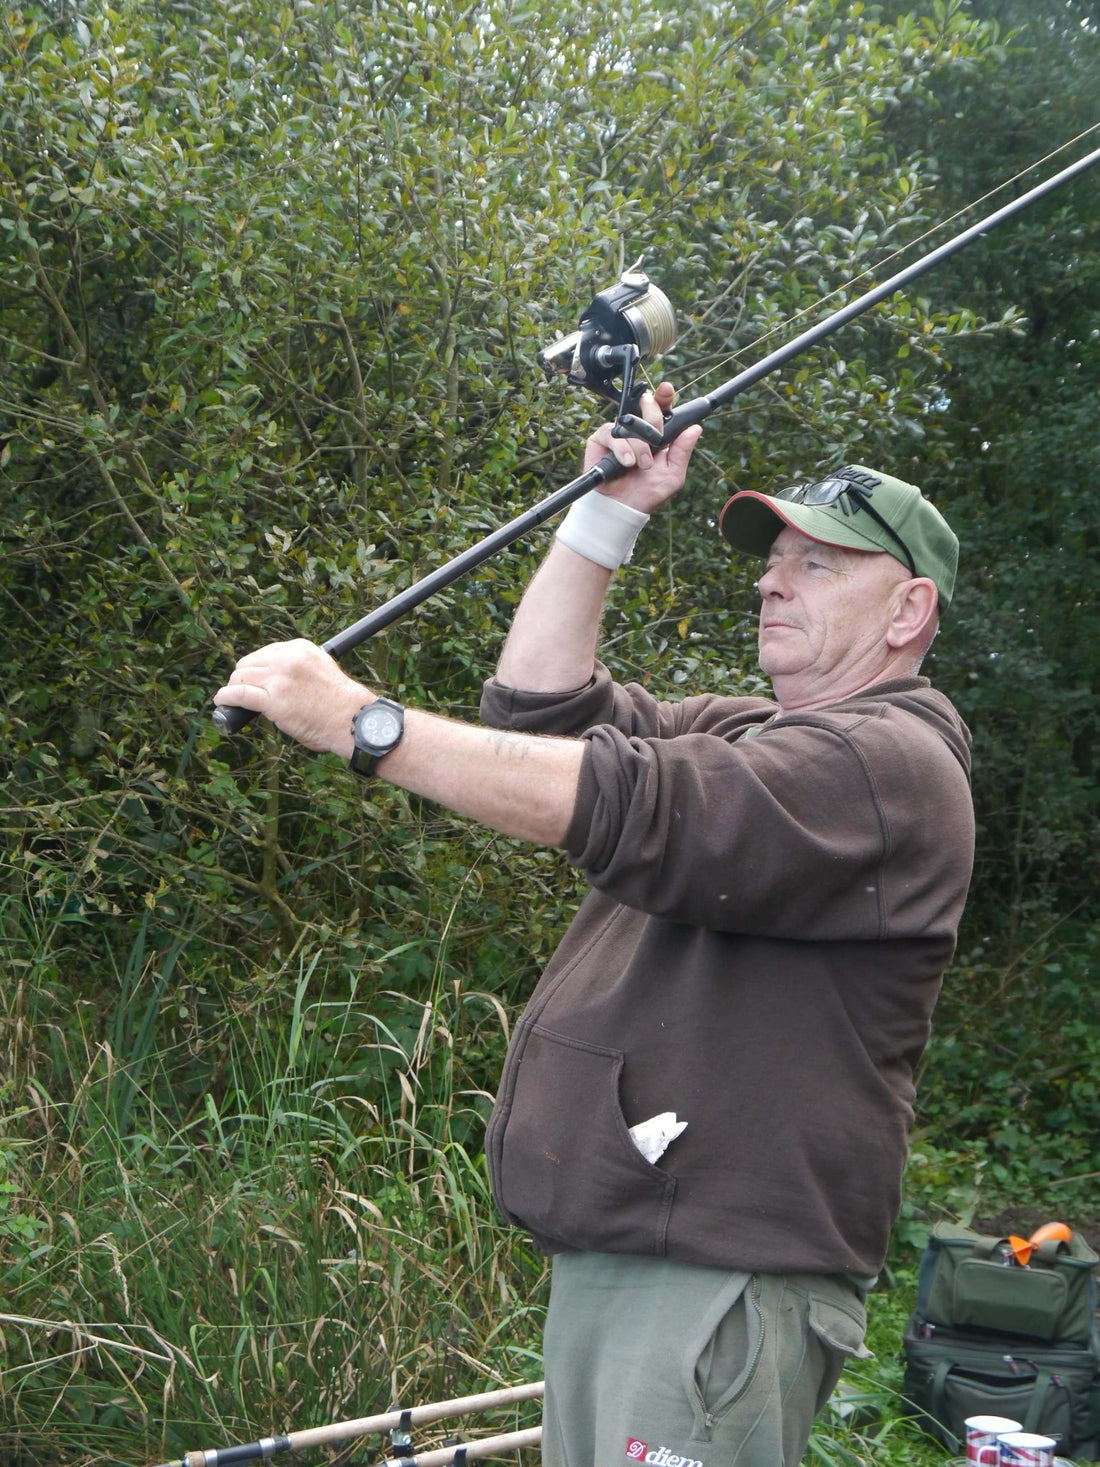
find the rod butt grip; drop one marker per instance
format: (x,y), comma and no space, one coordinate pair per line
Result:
(229,719)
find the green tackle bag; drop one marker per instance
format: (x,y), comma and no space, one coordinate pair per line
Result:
(968,1280)
(990,1337)
(952,1374)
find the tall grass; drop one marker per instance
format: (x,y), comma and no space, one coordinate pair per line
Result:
(308,1239)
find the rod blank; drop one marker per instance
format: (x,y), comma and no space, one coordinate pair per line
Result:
(701,407)
(336,1431)
(487,1446)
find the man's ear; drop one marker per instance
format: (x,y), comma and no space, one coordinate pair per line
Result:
(914,618)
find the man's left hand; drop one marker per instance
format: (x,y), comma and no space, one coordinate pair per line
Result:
(302,690)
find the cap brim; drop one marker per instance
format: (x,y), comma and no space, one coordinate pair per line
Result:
(750,522)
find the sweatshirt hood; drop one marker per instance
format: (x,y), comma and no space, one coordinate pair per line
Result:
(917,696)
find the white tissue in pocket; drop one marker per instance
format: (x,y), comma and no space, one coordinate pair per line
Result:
(652,1137)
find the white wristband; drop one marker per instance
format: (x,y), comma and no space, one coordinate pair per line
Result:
(602,529)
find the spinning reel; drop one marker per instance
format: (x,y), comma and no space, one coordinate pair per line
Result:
(623,326)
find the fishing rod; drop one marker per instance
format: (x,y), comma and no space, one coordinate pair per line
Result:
(488,1446)
(621,328)
(397,1423)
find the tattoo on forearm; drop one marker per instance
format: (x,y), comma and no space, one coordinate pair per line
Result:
(510,743)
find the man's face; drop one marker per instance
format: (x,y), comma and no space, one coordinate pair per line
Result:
(824,617)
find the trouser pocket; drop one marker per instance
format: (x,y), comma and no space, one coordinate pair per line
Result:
(838,1324)
(768,1364)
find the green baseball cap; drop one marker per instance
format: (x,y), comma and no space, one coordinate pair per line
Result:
(856,507)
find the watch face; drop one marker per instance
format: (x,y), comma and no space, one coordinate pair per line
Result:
(379,726)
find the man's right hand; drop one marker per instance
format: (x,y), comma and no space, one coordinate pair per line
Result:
(551,646)
(659,473)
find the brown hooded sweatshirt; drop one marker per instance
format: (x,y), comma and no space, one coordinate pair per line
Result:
(774,899)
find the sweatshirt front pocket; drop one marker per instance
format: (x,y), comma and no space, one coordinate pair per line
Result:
(569,1171)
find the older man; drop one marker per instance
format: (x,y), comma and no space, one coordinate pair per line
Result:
(704,1109)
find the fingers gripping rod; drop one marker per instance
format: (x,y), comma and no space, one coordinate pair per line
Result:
(232,720)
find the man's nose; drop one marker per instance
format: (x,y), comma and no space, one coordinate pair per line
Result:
(771,583)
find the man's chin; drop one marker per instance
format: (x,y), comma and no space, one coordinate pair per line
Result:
(776,660)
(776,667)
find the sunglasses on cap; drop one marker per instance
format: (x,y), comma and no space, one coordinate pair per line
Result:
(852,497)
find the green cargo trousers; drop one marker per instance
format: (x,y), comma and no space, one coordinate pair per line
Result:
(649,1360)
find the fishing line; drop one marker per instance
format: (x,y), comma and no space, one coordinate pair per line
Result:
(736,356)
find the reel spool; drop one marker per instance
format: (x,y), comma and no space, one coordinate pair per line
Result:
(627,324)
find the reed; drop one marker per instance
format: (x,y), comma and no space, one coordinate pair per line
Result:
(311,1238)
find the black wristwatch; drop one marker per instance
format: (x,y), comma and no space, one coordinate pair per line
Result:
(376,729)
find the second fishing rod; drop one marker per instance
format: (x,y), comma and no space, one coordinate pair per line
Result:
(623,327)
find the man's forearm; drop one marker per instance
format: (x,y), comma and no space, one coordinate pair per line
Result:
(520,784)
(551,647)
